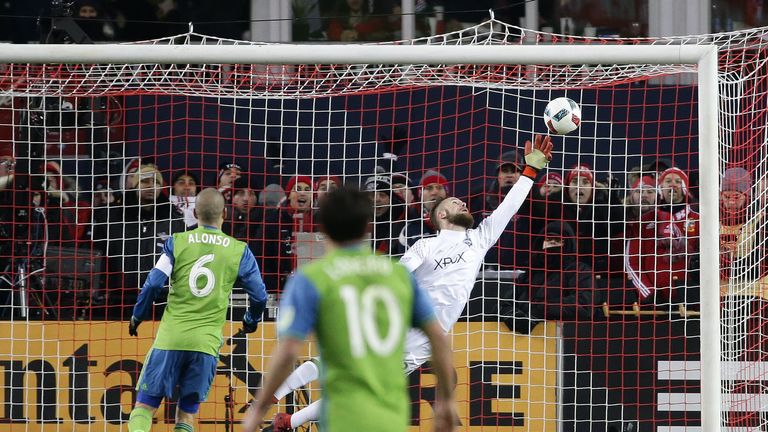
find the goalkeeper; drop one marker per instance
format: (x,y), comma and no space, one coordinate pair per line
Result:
(359,305)
(445,266)
(186,349)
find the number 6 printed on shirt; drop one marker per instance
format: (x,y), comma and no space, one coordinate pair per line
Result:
(198,270)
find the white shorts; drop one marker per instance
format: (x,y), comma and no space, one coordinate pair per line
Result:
(417,350)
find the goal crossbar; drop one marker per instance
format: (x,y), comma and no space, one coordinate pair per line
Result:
(286,54)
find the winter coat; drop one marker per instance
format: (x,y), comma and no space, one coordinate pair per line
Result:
(560,287)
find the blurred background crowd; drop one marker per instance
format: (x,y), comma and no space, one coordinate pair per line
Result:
(354,20)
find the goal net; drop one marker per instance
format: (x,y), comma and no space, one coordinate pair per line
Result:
(585,316)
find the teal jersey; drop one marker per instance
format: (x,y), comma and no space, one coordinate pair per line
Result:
(360,306)
(203,265)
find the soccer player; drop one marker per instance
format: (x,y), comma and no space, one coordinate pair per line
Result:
(202,264)
(445,265)
(360,306)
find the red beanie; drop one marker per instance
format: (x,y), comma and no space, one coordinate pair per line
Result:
(332,178)
(581,170)
(297,179)
(551,177)
(683,176)
(644,181)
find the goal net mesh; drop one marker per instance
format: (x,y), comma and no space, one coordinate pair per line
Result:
(584,315)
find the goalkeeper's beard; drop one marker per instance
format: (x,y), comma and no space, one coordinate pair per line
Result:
(463,220)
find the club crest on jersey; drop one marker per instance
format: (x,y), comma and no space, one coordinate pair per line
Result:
(445,262)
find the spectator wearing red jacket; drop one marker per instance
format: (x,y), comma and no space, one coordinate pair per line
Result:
(676,200)
(652,245)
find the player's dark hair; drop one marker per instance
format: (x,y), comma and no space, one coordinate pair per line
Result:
(345,213)
(433,213)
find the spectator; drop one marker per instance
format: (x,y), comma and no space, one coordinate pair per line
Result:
(92,18)
(403,187)
(14,213)
(353,21)
(513,249)
(550,185)
(272,196)
(325,184)
(228,173)
(651,246)
(67,217)
(675,200)
(244,216)
(433,186)
(276,236)
(742,241)
(389,214)
(558,286)
(103,195)
(135,235)
(588,209)
(184,193)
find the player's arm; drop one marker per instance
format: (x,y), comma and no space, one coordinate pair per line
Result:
(156,279)
(414,257)
(250,277)
(537,155)
(296,319)
(424,318)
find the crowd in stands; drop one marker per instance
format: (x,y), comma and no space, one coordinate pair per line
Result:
(577,242)
(314,20)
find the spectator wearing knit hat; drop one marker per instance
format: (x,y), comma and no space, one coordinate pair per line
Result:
(325,184)
(588,210)
(135,235)
(433,186)
(676,200)
(228,173)
(737,236)
(389,211)
(640,253)
(403,186)
(274,241)
(513,249)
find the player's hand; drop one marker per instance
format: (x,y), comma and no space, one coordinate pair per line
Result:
(133,326)
(249,323)
(253,418)
(539,153)
(445,420)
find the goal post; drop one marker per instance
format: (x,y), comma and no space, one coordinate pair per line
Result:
(137,69)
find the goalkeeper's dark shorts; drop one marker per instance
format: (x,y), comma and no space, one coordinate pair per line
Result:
(187,375)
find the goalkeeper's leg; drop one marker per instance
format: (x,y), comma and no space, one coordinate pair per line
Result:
(304,374)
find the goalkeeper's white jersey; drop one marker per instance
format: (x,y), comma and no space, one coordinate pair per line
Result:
(446,266)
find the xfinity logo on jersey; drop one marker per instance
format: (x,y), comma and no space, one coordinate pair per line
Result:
(213,239)
(445,262)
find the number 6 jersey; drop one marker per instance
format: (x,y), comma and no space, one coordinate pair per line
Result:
(203,265)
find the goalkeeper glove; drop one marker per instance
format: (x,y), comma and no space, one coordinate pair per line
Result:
(537,155)
(249,323)
(133,326)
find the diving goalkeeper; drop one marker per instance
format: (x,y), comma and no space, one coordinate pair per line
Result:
(445,266)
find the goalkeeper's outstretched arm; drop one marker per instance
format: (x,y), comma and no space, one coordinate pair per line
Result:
(537,155)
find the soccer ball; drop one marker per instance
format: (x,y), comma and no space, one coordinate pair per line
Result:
(562,116)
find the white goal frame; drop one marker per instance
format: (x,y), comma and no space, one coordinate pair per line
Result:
(704,56)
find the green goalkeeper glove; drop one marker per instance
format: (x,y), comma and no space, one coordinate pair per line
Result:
(536,159)
(537,155)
